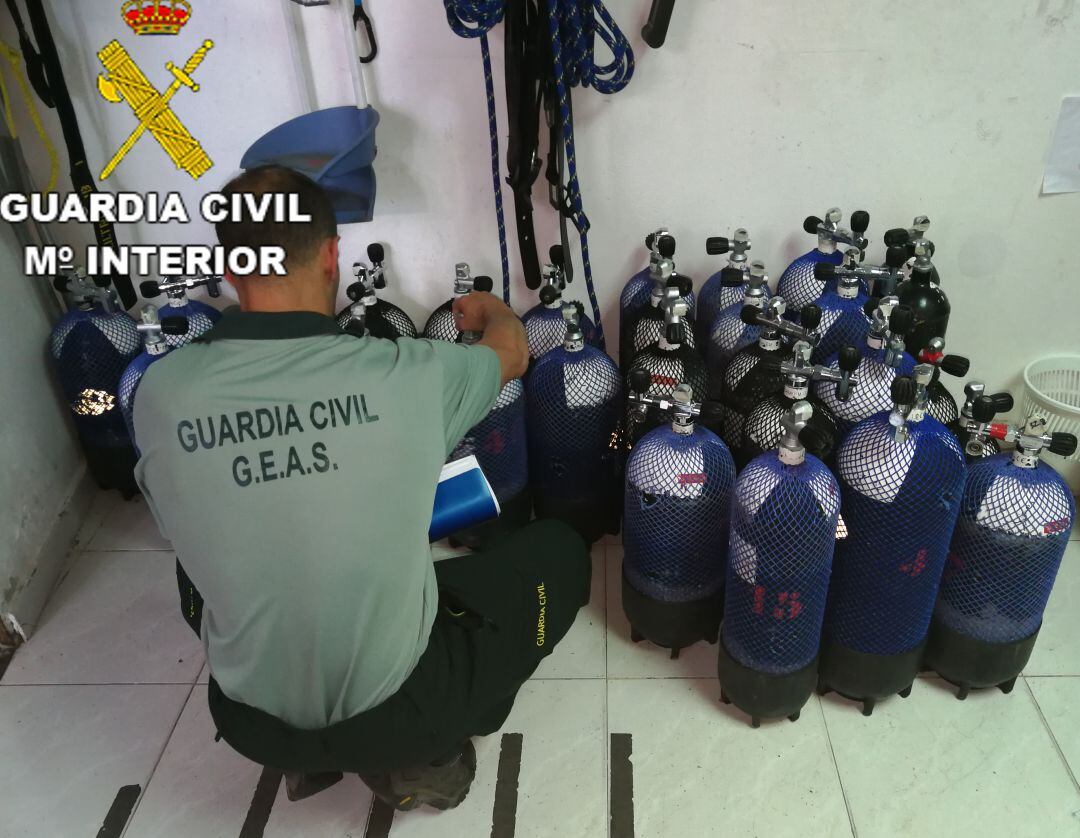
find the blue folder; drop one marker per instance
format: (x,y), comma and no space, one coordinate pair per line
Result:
(463,499)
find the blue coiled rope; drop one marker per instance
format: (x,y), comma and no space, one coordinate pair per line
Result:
(574,25)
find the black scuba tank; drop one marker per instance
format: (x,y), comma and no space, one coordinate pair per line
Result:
(369,315)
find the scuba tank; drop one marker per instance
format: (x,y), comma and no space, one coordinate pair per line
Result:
(91,347)
(675,526)
(941,404)
(747,380)
(842,318)
(573,403)
(977,447)
(798,284)
(729,333)
(883,358)
(763,426)
(727,286)
(651,322)
(927,301)
(155,331)
(1014,525)
(200,316)
(637,294)
(545,328)
(500,445)
(441,325)
(906,239)
(367,314)
(783,529)
(901,479)
(668,362)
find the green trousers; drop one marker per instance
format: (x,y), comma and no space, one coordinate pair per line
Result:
(501,613)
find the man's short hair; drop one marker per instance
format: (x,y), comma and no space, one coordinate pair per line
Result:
(301,240)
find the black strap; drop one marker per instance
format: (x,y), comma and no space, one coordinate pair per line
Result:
(526,60)
(53,91)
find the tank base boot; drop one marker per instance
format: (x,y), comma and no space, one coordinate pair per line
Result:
(672,625)
(867,678)
(976,664)
(762,695)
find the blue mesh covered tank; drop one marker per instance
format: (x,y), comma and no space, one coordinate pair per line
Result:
(574,402)
(763,427)
(729,333)
(367,314)
(668,362)
(883,359)
(91,346)
(1015,519)
(727,286)
(799,284)
(675,528)
(754,374)
(783,529)
(200,317)
(155,333)
(646,290)
(901,479)
(545,327)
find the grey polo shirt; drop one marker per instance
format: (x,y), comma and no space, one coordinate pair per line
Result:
(294,469)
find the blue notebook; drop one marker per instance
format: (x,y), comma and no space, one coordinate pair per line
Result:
(463,499)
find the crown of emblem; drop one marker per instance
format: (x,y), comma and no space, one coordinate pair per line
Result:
(156,17)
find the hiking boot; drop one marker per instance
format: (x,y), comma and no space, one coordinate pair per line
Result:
(441,785)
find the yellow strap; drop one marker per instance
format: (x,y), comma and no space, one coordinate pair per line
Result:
(14,58)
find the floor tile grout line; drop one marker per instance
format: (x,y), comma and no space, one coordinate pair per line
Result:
(836,767)
(112,683)
(157,762)
(607,702)
(1050,732)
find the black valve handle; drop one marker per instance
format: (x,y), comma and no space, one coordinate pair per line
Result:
(675,333)
(683,283)
(903,390)
(901,320)
(174,325)
(1063,444)
(897,237)
(749,315)
(849,359)
(557,256)
(60,283)
(483,283)
(731,277)
(956,365)
(811,224)
(376,253)
(666,246)
(810,316)
(549,294)
(655,29)
(717,245)
(149,289)
(640,381)
(355,291)
(895,257)
(870,306)
(860,221)
(983,409)
(824,271)
(1003,402)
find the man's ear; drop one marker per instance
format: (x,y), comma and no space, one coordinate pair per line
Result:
(331,256)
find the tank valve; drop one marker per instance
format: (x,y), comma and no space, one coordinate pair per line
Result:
(153,329)
(676,310)
(773,321)
(737,247)
(793,423)
(1030,439)
(901,321)
(680,404)
(905,396)
(575,338)
(800,372)
(829,229)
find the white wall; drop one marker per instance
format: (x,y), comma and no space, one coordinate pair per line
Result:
(41,466)
(753,114)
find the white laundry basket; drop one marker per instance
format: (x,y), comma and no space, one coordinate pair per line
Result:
(1052,389)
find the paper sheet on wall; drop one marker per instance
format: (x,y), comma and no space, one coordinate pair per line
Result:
(1063,164)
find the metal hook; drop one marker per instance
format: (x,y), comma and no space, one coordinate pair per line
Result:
(360,16)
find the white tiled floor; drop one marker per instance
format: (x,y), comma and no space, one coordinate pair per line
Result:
(110,693)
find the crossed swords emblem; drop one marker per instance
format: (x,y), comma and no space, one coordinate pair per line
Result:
(126,82)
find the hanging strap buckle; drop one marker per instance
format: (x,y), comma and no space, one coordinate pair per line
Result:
(360,16)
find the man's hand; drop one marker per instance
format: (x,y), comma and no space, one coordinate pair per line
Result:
(503,332)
